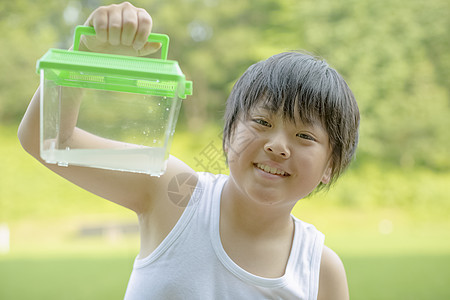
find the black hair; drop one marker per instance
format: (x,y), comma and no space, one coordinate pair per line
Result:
(298,83)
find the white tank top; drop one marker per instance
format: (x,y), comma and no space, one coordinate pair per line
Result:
(191,263)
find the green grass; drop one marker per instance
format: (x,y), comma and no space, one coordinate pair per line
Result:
(64,278)
(389,226)
(398,277)
(387,277)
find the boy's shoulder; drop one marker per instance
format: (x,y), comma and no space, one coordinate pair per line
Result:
(332,278)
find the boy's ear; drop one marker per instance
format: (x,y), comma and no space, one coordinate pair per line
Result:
(326,175)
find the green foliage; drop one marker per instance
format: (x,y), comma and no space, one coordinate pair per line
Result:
(418,191)
(28,29)
(394,55)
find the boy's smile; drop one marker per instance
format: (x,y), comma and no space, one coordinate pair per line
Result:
(276,161)
(274,170)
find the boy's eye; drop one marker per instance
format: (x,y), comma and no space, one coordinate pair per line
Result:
(262,122)
(306,136)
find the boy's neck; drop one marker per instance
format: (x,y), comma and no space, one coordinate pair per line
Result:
(252,218)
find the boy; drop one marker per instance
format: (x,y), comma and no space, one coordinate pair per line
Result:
(291,125)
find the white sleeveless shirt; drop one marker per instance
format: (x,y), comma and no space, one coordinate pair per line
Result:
(191,263)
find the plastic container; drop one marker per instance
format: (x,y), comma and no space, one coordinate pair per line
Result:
(126,108)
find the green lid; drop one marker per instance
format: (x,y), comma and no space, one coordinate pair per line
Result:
(160,77)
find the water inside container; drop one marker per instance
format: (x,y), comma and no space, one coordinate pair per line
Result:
(147,160)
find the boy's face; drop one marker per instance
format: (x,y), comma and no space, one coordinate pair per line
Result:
(275,161)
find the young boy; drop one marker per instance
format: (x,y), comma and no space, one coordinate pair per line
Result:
(291,126)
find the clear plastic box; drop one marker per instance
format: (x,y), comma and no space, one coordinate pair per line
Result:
(124,108)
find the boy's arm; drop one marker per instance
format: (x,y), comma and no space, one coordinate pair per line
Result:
(121,29)
(332,278)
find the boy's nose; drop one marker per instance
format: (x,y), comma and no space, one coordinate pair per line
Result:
(278,149)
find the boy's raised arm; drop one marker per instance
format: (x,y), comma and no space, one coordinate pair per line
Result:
(120,29)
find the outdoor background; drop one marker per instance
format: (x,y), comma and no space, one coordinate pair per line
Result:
(387,217)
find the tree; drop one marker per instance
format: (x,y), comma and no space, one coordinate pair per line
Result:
(393,54)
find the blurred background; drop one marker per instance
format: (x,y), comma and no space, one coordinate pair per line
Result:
(387,217)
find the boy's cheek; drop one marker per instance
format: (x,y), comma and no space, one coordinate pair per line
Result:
(231,153)
(242,139)
(234,151)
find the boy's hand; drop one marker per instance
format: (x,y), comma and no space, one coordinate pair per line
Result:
(120,29)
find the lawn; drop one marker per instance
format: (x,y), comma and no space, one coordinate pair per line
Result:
(408,277)
(394,245)
(370,278)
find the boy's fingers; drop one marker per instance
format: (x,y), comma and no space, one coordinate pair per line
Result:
(143,30)
(101,32)
(130,25)
(114,26)
(99,19)
(149,48)
(122,24)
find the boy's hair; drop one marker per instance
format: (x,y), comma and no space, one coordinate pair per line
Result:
(297,83)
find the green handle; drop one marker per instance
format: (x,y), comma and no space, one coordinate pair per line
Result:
(153,37)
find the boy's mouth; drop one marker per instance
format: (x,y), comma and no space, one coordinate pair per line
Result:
(271,170)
